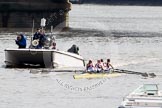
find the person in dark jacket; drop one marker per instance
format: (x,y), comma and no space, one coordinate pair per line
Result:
(21,41)
(40,36)
(74,49)
(37,34)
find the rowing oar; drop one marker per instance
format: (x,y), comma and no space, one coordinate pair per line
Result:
(134,72)
(34,71)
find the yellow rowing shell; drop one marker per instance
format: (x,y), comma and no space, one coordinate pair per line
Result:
(96,75)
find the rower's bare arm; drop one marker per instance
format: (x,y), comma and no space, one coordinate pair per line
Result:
(111,66)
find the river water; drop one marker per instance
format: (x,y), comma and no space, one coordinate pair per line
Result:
(131,36)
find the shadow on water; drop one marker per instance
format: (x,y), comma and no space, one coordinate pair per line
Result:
(27,66)
(3,66)
(80,32)
(73,32)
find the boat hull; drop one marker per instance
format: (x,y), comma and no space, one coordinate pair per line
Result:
(144,104)
(96,75)
(42,57)
(145,96)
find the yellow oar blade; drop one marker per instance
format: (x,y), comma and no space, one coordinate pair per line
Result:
(97,75)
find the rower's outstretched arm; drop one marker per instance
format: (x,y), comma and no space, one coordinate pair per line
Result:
(111,66)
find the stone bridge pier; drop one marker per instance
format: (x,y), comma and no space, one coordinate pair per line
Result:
(22,13)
